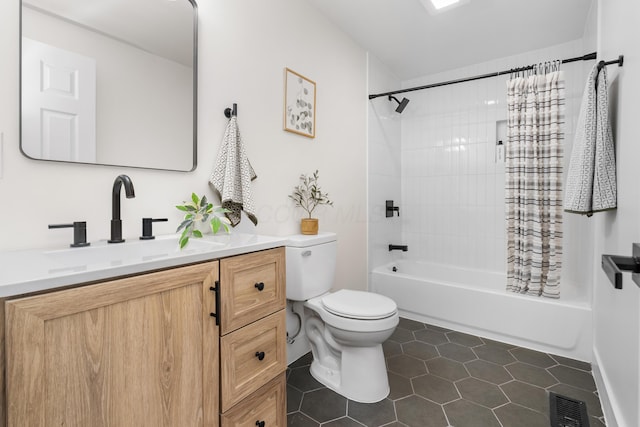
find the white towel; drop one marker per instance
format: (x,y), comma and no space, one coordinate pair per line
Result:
(232,176)
(591,182)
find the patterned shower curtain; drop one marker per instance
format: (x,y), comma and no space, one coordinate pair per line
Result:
(534,183)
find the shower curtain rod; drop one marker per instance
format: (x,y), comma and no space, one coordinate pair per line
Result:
(587,57)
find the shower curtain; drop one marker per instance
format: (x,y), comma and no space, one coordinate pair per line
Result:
(534,183)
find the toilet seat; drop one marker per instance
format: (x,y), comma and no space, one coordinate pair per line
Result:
(359,305)
(349,323)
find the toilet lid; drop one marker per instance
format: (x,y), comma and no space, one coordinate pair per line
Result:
(359,305)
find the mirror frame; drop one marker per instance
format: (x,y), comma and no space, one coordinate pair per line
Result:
(195,102)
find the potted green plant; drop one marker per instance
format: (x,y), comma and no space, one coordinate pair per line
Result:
(200,211)
(309,196)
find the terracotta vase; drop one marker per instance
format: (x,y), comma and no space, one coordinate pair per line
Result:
(309,226)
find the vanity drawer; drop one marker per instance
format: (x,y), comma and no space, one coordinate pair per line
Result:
(250,357)
(267,405)
(252,286)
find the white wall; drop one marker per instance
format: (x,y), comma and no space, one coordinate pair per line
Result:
(383,165)
(617,312)
(452,187)
(244,47)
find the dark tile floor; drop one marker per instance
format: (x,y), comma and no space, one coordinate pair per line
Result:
(441,378)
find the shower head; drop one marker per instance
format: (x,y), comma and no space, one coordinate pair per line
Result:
(401,104)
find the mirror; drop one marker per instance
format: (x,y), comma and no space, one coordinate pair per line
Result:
(110,82)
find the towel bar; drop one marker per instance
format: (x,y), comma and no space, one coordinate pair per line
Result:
(613,265)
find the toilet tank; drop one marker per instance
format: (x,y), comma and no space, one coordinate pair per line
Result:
(311,265)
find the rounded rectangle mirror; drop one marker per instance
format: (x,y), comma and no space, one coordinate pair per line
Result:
(109,82)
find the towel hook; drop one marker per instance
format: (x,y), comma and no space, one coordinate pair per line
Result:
(229,112)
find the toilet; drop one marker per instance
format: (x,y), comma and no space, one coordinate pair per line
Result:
(345,328)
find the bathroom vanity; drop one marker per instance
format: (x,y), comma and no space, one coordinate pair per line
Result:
(188,339)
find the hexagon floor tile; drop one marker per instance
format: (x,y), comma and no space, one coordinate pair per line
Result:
(435,389)
(441,378)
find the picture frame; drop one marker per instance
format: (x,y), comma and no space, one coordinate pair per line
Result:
(299,104)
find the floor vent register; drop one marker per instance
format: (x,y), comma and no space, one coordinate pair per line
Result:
(567,412)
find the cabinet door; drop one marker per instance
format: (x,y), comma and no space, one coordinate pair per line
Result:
(252,286)
(138,351)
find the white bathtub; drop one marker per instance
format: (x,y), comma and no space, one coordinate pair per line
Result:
(476,302)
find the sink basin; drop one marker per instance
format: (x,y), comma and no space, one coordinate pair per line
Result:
(129,252)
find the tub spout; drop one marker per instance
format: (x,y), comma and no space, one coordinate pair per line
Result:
(403,248)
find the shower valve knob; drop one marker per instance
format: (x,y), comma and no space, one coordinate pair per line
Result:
(260,355)
(390,209)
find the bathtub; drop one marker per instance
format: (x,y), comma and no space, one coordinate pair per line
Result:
(476,302)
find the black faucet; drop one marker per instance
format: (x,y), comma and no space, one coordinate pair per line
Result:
(403,248)
(390,209)
(116,222)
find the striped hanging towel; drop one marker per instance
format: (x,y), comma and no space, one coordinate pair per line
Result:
(591,181)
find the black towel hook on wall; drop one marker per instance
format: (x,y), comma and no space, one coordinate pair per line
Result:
(603,64)
(618,61)
(231,112)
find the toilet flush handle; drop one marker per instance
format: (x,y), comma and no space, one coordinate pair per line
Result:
(306,253)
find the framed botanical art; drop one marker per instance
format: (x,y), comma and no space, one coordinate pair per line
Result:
(299,104)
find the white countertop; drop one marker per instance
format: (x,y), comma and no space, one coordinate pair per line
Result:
(33,270)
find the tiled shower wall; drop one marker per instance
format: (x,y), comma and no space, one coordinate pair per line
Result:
(383,158)
(452,187)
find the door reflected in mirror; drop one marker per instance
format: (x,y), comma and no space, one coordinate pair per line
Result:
(109,82)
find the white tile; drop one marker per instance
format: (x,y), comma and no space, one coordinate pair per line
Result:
(472,158)
(410,162)
(481,159)
(410,217)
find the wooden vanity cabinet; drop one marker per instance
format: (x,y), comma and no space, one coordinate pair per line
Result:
(146,350)
(138,351)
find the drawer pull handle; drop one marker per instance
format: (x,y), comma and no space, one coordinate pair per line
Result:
(260,355)
(259,286)
(260,423)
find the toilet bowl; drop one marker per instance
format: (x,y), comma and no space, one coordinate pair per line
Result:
(345,328)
